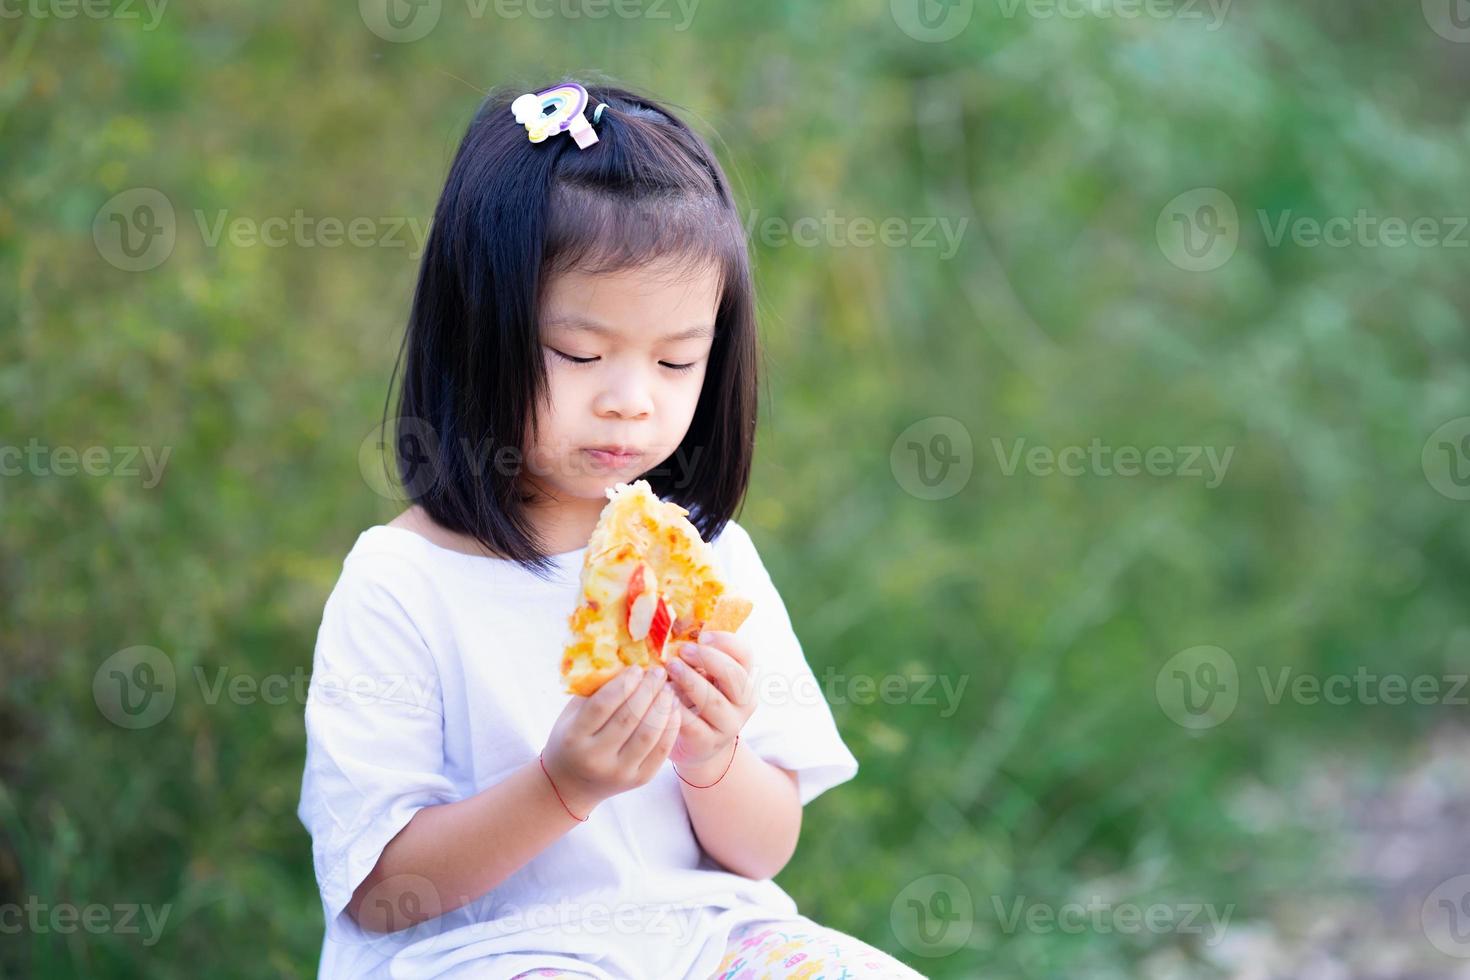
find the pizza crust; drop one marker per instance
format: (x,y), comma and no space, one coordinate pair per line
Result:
(730,612)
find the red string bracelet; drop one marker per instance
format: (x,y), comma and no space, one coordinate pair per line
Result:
(722,775)
(558,792)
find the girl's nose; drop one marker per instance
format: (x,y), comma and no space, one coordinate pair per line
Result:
(626,396)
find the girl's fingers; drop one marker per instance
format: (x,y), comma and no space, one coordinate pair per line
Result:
(703,698)
(728,675)
(692,722)
(732,645)
(627,715)
(695,689)
(650,727)
(597,709)
(661,749)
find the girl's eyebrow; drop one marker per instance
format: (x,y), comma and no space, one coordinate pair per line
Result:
(574,321)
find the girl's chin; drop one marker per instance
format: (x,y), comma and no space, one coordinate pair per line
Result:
(592,488)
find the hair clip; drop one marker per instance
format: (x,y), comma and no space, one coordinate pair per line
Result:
(560,109)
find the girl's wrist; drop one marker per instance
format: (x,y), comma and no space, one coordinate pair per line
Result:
(708,772)
(570,804)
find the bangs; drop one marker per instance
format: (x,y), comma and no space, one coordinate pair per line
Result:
(650,191)
(599,230)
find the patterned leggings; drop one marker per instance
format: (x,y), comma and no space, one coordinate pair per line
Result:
(792,949)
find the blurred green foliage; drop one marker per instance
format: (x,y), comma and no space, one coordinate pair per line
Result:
(1064,316)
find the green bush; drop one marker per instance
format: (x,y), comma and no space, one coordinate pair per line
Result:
(1051,148)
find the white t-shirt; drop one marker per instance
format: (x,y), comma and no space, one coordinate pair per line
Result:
(436,674)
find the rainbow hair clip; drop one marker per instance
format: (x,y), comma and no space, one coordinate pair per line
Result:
(561,109)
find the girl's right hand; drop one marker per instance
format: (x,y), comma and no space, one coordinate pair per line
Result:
(614,741)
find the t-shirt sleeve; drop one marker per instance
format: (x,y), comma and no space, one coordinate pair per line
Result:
(792,726)
(374,728)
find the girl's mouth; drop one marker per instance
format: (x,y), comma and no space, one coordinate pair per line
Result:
(613,459)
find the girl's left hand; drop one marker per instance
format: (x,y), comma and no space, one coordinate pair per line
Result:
(716,692)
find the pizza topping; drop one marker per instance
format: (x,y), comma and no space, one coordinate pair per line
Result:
(638,582)
(658,630)
(643,601)
(685,627)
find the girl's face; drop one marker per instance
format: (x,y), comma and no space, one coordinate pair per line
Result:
(626,354)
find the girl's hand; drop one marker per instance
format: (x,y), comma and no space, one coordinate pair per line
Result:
(614,741)
(717,697)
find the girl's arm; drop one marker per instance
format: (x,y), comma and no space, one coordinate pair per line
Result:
(463,849)
(750,820)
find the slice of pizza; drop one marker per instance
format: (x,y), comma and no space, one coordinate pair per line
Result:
(649,581)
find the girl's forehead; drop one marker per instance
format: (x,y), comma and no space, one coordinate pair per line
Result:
(671,299)
(662,273)
(580,324)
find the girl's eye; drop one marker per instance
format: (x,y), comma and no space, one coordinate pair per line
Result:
(568,357)
(588,360)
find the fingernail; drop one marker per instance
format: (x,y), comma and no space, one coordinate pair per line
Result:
(658,673)
(691,652)
(678,666)
(704,637)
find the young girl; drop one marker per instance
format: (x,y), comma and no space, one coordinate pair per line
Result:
(583,317)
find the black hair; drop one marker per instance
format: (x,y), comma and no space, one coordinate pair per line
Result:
(513,214)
